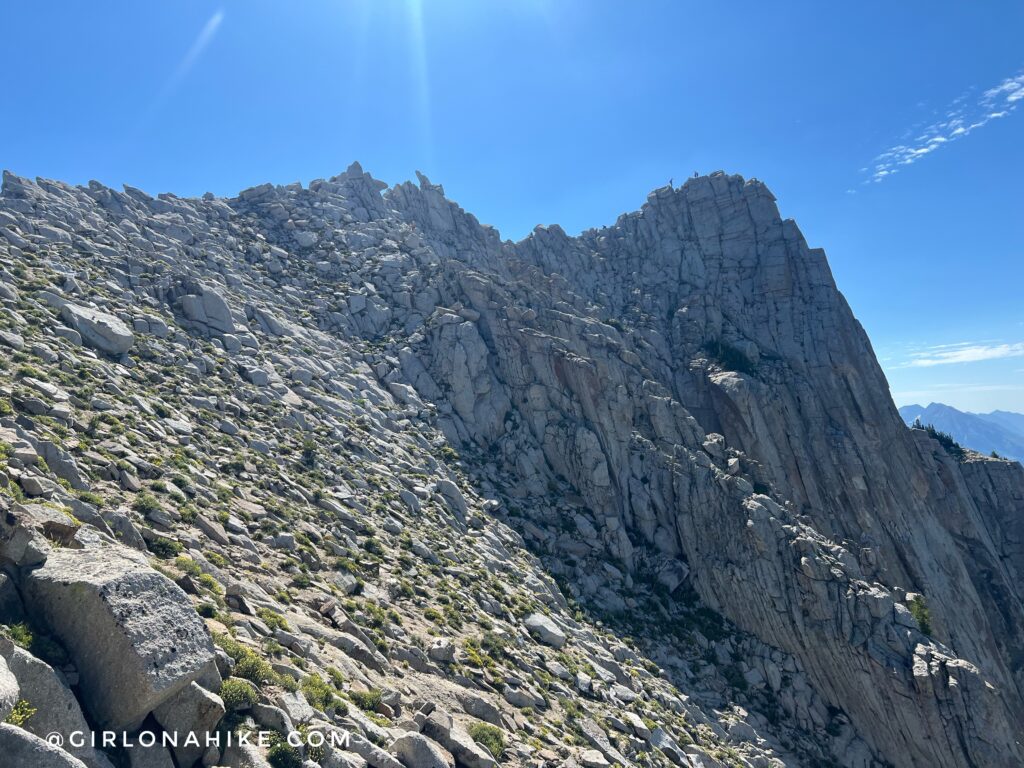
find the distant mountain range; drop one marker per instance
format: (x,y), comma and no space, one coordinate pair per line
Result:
(999,431)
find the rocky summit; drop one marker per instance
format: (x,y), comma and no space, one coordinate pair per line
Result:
(336,459)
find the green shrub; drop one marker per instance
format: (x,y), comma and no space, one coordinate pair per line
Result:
(189,566)
(488,736)
(90,497)
(237,694)
(38,644)
(207,610)
(347,564)
(288,682)
(368,701)
(254,668)
(920,612)
(29,371)
(336,677)
(248,664)
(146,503)
(21,635)
(164,548)
(318,692)
(284,755)
(20,714)
(309,452)
(316,752)
(209,582)
(217,559)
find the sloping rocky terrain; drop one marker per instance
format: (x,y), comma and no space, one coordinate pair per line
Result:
(338,459)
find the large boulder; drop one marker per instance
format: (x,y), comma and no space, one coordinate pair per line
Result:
(545,630)
(156,756)
(27,530)
(371,754)
(21,749)
(417,751)
(442,728)
(56,708)
(11,609)
(62,464)
(131,631)
(207,307)
(9,689)
(193,711)
(99,330)
(243,756)
(480,708)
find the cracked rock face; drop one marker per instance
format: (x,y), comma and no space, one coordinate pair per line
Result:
(635,497)
(706,312)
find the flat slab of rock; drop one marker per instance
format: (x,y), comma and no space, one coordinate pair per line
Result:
(99,330)
(545,630)
(131,632)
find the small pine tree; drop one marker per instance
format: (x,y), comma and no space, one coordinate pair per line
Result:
(309,452)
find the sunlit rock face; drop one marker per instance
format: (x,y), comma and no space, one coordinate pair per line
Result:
(676,417)
(626,351)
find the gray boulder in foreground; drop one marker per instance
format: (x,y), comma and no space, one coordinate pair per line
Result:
(21,749)
(56,708)
(194,710)
(9,689)
(417,751)
(130,631)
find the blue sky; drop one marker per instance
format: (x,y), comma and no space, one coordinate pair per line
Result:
(892,132)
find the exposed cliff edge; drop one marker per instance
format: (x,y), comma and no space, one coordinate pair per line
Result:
(730,324)
(678,407)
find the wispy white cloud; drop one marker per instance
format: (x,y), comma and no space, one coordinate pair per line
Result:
(964,352)
(965,115)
